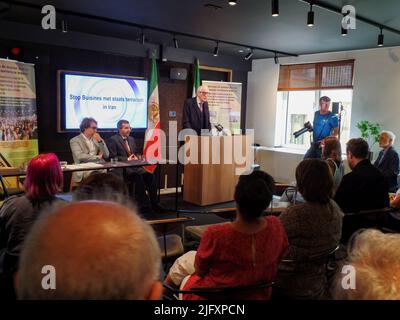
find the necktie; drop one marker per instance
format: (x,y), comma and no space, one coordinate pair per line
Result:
(128,149)
(201,107)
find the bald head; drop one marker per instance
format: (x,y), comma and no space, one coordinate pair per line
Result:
(202,93)
(100,250)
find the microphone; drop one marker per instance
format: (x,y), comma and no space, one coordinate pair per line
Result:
(219,127)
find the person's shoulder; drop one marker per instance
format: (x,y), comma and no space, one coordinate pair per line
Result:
(189,101)
(113,137)
(76,138)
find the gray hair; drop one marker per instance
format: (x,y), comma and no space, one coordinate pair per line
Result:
(375,258)
(390,134)
(100,250)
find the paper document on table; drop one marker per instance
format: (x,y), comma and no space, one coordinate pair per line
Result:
(84,166)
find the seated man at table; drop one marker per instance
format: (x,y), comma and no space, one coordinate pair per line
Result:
(87,147)
(123,147)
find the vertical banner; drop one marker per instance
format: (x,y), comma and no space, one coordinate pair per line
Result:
(224,102)
(18,119)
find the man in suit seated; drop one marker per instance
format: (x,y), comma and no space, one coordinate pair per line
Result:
(388,159)
(364,188)
(123,147)
(196,114)
(87,147)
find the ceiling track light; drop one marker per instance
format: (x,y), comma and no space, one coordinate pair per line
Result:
(344,32)
(249,55)
(64,26)
(276,58)
(216,50)
(275,8)
(142,38)
(381,39)
(310,17)
(232,2)
(175,41)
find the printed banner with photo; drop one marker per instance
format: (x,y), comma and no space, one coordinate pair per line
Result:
(18,119)
(224,102)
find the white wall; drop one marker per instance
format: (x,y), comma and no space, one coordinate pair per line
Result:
(376,97)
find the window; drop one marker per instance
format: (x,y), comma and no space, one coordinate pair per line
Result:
(295,108)
(300,88)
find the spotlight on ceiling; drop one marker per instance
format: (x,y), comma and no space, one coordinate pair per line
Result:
(380,39)
(175,41)
(142,38)
(249,55)
(275,8)
(276,58)
(216,50)
(232,2)
(310,17)
(344,32)
(64,26)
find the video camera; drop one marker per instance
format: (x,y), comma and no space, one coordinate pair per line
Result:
(307,128)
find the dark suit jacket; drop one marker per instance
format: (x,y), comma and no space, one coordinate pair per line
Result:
(389,167)
(116,147)
(192,116)
(365,188)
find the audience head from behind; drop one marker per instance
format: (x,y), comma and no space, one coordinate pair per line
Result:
(373,267)
(124,128)
(44,177)
(253,194)
(386,139)
(102,186)
(331,149)
(357,150)
(314,180)
(92,250)
(88,127)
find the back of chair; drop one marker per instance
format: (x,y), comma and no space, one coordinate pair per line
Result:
(3,187)
(317,257)
(225,293)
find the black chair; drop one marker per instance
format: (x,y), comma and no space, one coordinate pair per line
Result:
(8,192)
(217,293)
(363,220)
(171,244)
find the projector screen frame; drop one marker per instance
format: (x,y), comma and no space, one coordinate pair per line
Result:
(61,95)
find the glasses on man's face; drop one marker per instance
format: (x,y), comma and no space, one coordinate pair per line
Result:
(204,92)
(94,128)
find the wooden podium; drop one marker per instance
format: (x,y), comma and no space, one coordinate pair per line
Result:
(213,177)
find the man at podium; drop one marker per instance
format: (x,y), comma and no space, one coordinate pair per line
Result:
(196,114)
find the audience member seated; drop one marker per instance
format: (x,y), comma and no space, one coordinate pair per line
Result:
(87,147)
(99,250)
(332,154)
(374,258)
(365,188)
(123,147)
(18,213)
(244,252)
(312,228)
(101,186)
(388,160)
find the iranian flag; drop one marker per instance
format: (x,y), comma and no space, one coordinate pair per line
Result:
(152,143)
(196,82)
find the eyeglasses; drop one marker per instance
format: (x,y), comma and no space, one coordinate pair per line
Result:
(94,128)
(204,92)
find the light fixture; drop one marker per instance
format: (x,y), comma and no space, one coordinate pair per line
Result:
(175,41)
(310,17)
(344,32)
(216,50)
(276,58)
(249,55)
(142,37)
(240,50)
(232,2)
(275,8)
(64,26)
(380,39)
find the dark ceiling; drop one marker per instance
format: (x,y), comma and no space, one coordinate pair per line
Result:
(249,22)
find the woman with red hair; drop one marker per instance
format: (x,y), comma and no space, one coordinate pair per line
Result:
(44,179)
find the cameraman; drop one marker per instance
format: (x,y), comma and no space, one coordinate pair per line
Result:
(325,124)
